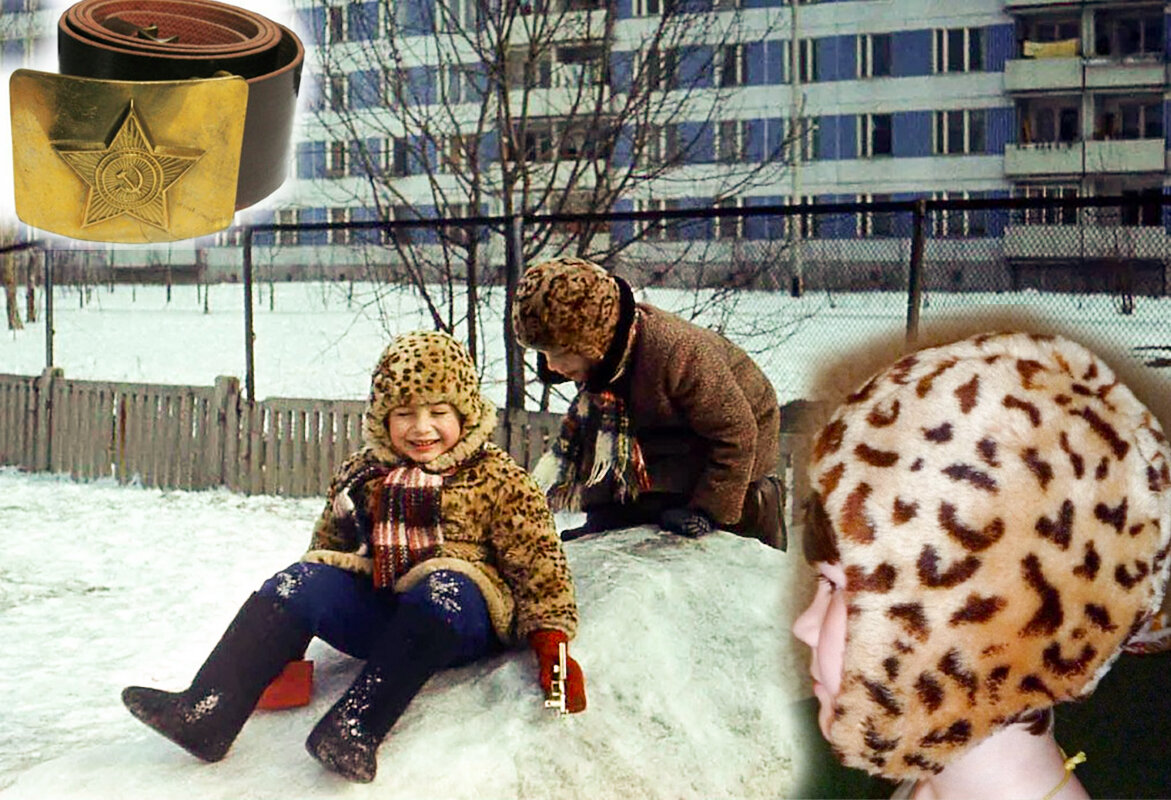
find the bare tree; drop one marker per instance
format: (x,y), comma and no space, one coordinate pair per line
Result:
(457,108)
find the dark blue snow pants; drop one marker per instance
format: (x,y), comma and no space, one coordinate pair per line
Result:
(346,611)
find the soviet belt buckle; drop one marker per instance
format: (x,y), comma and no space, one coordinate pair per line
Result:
(126,161)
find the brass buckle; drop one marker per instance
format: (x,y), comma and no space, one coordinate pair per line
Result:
(126,161)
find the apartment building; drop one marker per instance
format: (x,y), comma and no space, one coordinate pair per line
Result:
(849,100)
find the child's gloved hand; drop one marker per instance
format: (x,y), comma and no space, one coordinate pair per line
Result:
(686,522)
(545,645)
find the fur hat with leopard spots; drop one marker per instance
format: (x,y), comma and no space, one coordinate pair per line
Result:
(1001,507)
(427,367)
(567,304)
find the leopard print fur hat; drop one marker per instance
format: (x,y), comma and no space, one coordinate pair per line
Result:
(1001,507)
(566,304)
(427,367)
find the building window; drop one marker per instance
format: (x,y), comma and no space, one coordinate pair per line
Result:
(288,216)
(336,157)
(1120,36)
(1129,118)
(401,234)
(1049,215)
(873,55)
(806,60)
(337,24)
(874,135)
(394,84)
(661,69)
(733,65)
(876,224)
(732,141)
(959,132)
(658,230)
(1057,122)
(958,223)
(807,134)
(646,8)
(959,50)
(339,216)
(579,65)
(732,225)
(337,92)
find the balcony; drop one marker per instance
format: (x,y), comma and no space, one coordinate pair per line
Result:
(1071,242)
(1048,159)
(1064,74)
(1042,159)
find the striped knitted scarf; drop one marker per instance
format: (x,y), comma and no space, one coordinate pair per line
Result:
(595,443)
(407,527)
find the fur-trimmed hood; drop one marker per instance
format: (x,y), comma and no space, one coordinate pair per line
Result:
(1002,510)
(427,367)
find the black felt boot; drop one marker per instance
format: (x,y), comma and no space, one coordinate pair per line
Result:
(413,647)
(763,516)
(205,718)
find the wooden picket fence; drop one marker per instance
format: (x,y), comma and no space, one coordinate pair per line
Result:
(199,437)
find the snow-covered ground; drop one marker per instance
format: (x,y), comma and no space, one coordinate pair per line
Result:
(688,662)
(318,340)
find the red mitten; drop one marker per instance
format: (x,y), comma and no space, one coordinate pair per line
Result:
(291,689)
(545,645)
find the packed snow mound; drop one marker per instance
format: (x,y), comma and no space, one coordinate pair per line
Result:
(688,661)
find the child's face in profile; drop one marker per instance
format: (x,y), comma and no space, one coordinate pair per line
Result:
(423,432)
(822,626)
(572,365)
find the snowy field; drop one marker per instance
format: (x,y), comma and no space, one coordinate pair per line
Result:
(318,340)
(685,645)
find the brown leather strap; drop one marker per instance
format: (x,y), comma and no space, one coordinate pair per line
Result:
(157,40)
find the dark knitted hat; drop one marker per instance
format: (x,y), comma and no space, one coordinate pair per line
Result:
(567,304)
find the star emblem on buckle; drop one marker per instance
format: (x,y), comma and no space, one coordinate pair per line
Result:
(128,174)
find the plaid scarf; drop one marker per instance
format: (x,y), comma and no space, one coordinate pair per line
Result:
(595,442)
(407,526)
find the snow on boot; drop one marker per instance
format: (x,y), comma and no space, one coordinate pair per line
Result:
(413,647)
(205,718)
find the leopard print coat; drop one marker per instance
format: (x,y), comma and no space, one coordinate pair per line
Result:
(497,527)
(1002,510)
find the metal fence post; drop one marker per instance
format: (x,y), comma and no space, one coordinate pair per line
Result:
(249,335)
(48,310)
(915,273)
(514,356)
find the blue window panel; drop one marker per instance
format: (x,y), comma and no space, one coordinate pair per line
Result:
(999,46)
(837,225)
(911,134)
(756,57)
(835,58)
(764,228)
(362,22)
(624,148)
(415,17)
(313,23)
(314,237)
(310,159)
(488,148)
(624,9)
(365,89)
(754,131)
(910,53)
(774,139)
(621,70)
(774,62)
(764,3)
(477,77)
(698,142)
(622,230)
(837,138)
(695,67)
(421,85)
(10,6)
(262,238)
(996,219)
(12,52)
(696,229)
(999,127)
(367,236)
(1167,119)
(421,154)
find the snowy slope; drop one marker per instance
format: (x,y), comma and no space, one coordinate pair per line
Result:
(688,662)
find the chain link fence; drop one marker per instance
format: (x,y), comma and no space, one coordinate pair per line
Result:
(792,284)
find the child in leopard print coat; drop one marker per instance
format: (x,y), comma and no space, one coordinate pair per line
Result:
(435,548)
(991,520)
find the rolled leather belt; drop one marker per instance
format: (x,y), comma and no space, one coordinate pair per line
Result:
(158,40)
